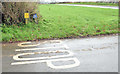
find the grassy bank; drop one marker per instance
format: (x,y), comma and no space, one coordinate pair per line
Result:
(65,21)
(94,3)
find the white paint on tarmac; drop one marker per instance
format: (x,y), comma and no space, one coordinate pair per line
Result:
(109,7)
(16,57)
(22,44)
(31,49)
(28,62)
(96,54)
(49,63)
(33,45)
(55,41)
(46,59)
(77,63)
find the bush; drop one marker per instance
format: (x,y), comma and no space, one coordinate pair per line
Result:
(13,12)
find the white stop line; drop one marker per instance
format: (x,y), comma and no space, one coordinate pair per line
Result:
(47,59)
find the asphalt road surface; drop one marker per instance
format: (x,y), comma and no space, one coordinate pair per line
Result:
(96,6)
(96,54)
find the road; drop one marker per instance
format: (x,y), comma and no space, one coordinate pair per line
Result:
(96,6)
(95,54)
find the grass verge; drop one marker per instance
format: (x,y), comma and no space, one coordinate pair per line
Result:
(64,21)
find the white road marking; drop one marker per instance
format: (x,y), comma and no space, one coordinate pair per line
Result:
(52,58)
(92,48)
(21,44)
(77,63)
(55,41)
(66,47)
(51,41)
(16,57)
(49,63)
(30,49)
(28,62)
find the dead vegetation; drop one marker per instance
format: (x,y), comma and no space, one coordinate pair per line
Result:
(13,12)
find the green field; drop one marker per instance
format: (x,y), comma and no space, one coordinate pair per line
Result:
(94,3)
(65,21)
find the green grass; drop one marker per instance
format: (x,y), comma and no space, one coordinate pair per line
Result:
(94,3)
(65,21)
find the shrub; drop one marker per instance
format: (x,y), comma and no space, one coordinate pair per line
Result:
(13,12)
